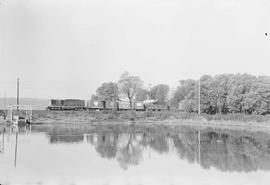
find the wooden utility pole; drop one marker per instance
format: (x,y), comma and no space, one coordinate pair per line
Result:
(16,148)
(5,101)
(199,147)
(18,93)
(199,101)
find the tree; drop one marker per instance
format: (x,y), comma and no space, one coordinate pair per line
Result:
(142,95)
(130,86)
(189,95)
(93,99)
(160,93)
(226,93)
(107,91)
(184,91)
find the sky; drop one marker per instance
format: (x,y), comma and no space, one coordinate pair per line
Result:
(67,48)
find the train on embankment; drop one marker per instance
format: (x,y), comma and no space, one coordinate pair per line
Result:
(79,105)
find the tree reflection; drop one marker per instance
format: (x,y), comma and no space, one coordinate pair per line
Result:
(185,144)
(129,150)
(106,145)
(159,143)
(226,150)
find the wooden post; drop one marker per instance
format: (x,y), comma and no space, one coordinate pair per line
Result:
(3,144)
(5,100)
(5,111)
(199,101)
(11,114)
(199,146)
(16,148)
(18,93)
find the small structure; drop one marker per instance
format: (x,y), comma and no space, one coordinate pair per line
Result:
(20,114)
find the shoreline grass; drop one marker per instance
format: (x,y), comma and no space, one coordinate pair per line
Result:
(158,117)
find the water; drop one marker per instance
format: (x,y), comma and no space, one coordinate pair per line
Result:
(133,156)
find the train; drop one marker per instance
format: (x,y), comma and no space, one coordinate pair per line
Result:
(67,104)
(119,105)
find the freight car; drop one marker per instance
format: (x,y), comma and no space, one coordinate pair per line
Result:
(124,105)
(76,104)
(157,107)
(139,106)
(102,105)
(67,104)
(114,105)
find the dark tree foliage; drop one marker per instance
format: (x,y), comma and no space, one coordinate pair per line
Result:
(93,98)
(107,91)
(226,93)
(142,95)
(160,93)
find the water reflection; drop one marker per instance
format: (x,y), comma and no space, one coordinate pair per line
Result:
(222,149)
(65,138)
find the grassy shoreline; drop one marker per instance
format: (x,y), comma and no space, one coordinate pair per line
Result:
(157,118)
(166,118)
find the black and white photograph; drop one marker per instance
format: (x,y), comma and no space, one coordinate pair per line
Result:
(134,92)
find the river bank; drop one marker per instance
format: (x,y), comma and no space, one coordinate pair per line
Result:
(89,116)
(151,119)
(234,121)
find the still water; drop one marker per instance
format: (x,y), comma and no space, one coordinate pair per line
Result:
(137,156)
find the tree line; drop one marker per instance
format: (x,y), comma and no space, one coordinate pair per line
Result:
(225,93)
(132,88)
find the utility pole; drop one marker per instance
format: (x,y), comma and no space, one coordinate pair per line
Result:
(199,101)
(16,149)
(18,93)
(5,100)
(199,147)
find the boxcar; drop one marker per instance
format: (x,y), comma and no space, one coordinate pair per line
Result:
(156,107)
(139,106)
(102,105)
(96,105)
(110,105)
(123,105)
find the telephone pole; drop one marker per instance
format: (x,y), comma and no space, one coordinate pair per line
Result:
(18,93)
(199,101)
(5,100)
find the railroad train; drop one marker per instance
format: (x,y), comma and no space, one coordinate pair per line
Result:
(76,104)
(67,104)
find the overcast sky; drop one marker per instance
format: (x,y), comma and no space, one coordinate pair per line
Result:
(67,48)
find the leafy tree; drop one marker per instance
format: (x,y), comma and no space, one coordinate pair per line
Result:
(182,91)
(190,94)
(226,93)
(160,93)
(142,95)
(93,99)
(107,91)
(130,86)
